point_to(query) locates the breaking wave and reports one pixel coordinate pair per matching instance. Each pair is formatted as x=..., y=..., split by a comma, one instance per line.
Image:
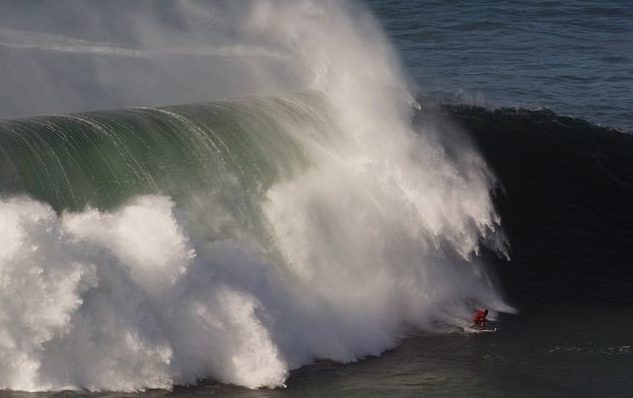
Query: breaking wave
x=240, y=239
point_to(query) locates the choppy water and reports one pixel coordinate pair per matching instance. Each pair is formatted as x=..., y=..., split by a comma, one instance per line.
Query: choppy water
x=573, y=57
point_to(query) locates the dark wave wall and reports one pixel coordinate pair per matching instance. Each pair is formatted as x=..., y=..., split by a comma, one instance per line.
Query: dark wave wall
x=566, y=201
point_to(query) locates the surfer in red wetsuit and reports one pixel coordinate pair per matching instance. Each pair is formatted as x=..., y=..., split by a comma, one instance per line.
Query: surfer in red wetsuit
x=480, y=318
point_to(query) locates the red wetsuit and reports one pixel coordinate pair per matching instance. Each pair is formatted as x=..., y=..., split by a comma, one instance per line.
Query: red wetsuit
x=480, y=318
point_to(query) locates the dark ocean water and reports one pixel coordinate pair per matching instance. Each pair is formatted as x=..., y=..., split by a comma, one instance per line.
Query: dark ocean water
x=566, y=184
x=565, y=196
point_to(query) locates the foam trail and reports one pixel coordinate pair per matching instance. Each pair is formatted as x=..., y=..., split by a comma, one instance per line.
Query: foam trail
x=332, y=254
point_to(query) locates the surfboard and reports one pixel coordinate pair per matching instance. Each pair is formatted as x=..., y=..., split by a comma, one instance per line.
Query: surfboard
x=477, y=330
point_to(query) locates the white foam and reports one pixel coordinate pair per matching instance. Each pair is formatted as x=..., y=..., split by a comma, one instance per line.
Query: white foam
x=81, y=308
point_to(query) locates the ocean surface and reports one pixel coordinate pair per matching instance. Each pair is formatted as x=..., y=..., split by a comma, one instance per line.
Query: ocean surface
x=570, y=57
x=308, y=199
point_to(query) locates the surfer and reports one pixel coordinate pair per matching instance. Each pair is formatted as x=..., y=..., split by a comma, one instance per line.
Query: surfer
x=480, y=318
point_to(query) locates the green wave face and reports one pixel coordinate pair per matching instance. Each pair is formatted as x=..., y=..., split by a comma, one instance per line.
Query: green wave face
x=100, y=159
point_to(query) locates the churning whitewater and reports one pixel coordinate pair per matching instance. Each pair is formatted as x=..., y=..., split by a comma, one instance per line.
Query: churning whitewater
x=238, y=239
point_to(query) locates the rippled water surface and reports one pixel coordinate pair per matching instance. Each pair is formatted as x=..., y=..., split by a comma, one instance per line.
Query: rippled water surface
x=575, y=58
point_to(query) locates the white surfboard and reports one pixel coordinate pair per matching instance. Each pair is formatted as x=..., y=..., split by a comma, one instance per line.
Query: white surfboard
x=477, y=330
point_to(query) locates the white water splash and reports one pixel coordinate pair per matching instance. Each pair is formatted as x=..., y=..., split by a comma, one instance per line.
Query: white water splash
x=377, y=236
x=118, y=301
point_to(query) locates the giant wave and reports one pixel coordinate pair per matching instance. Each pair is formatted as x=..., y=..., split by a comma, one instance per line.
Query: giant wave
x=239, y=239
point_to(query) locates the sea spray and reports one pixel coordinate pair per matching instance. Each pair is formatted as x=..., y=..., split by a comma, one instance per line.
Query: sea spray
x=237, y=240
